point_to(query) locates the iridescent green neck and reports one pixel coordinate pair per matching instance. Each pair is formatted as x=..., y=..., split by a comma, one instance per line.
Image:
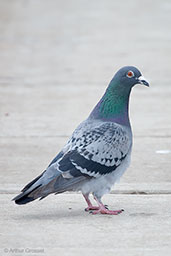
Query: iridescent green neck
x=114, y=103
x=113, y=106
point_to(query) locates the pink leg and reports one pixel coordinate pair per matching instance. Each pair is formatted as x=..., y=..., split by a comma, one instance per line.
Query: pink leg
x=103, y=210
x=90, y=206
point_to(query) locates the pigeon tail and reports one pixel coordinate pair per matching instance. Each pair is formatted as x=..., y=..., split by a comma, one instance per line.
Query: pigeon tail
x=25, y=197
x=35, y=189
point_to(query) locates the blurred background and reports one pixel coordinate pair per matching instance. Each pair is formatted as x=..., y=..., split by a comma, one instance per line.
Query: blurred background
x=56, y=60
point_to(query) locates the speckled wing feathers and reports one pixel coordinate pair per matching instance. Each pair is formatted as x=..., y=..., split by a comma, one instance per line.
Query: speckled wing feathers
x=95, y=150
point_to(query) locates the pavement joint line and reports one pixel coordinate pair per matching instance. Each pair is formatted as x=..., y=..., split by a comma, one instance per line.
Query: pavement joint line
x=123, y=192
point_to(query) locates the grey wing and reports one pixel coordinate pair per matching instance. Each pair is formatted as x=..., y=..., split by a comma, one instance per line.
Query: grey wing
x=95, y=152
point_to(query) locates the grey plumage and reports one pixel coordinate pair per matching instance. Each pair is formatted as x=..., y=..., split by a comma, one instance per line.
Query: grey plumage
x=98, y=152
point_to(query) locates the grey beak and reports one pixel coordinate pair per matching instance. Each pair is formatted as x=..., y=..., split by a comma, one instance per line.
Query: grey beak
x=142, y=80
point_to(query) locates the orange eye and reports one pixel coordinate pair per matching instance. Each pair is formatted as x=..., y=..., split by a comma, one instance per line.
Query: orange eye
x=130, y=74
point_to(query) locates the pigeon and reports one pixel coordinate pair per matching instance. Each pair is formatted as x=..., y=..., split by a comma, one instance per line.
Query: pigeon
x=98, y=152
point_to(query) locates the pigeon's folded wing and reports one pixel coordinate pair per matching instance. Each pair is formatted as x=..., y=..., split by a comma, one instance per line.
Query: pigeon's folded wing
x=96, y=152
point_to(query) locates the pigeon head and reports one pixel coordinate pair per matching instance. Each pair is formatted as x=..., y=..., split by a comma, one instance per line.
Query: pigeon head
x=128, y=77
x=114, y=104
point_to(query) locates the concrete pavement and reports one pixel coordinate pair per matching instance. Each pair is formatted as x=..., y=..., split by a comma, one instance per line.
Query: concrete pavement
x=56, y=59
x=59, y=224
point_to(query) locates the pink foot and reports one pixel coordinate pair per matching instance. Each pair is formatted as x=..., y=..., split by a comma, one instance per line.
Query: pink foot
x=106, y=211
x=91, y=208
